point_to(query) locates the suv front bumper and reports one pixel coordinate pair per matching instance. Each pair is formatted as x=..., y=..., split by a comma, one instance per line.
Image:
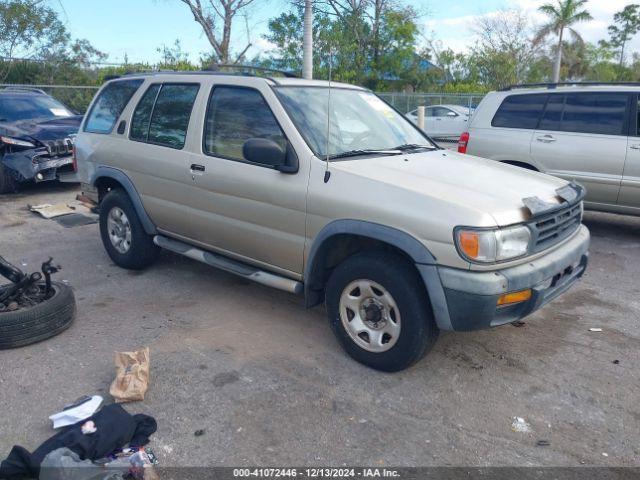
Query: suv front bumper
x=36, y=164
x=467, y=300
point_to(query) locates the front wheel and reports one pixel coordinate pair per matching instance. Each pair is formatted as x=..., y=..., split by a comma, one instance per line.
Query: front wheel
x=379, y=310
x=7, y=182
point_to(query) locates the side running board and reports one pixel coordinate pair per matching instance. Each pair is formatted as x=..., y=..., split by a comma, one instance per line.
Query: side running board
x=229, y=265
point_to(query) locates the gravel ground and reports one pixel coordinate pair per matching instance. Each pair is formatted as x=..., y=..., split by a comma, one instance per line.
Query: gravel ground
x=269, y=385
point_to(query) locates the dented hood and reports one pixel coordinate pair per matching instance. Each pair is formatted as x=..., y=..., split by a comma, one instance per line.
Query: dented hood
x=42, y=130
x=482, y=185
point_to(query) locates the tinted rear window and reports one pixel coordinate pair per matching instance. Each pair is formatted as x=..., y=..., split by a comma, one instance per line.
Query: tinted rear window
x=162, y=115
x=109, y=105
x=520, y=111
x=602, y=113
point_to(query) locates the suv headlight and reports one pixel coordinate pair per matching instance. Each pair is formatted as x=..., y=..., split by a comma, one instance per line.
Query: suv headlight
x=492, y=245
x=16, y=142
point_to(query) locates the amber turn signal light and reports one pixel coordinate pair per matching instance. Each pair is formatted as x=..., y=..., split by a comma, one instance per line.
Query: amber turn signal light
x=470, y=244
x=514, y=297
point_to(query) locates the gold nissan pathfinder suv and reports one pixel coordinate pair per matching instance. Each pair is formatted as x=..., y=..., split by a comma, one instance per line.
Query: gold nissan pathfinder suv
x=326, y=191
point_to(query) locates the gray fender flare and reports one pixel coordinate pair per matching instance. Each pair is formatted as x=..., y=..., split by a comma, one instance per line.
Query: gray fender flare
x=127, y=184
x=421, y=256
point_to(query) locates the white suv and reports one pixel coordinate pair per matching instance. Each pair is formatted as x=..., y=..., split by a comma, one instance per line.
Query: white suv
x=583, y=132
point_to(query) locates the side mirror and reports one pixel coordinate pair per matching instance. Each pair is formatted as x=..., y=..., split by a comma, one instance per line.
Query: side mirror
x=265, y=152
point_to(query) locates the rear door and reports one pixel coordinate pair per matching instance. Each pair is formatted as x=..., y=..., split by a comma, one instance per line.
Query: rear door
x=582, y=136
x=630, y=187
x=157, y=154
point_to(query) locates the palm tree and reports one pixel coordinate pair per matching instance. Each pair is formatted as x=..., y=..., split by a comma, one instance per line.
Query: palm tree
x=307, y=42
x=561, y=16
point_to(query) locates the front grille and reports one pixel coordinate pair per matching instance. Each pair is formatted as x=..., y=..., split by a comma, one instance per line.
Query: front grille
x=555, y=227
x=56, y=148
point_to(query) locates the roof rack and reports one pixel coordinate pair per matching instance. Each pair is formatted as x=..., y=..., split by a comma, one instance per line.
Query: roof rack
x=23, y=89
x=552, y=85
x=247, y=69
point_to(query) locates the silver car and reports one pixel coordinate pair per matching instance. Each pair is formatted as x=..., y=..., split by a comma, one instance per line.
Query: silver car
x=588, y=134
x=443, y=120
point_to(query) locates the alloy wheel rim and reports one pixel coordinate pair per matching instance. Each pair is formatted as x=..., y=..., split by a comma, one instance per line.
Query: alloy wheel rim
x=370, y=315
x=119, y=229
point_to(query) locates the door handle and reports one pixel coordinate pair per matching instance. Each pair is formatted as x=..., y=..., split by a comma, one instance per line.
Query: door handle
x=195, y=168
x=546, y=139
x=635, y=147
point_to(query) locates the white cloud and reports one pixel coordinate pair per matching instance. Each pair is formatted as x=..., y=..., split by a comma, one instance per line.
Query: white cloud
x=457, y=32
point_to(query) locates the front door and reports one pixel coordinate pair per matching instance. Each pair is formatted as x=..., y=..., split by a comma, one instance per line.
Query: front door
x=248, y=210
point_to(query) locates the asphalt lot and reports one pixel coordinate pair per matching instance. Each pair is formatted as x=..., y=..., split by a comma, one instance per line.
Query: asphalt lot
x=270, y=385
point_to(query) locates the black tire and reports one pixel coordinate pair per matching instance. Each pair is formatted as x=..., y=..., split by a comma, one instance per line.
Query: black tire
x=142, y=252
x=418, y=330
x=7, y=182
x=34, y=324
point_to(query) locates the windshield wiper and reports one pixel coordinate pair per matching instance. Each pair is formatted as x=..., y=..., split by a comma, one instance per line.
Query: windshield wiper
x=354, y=153
x=413, y=146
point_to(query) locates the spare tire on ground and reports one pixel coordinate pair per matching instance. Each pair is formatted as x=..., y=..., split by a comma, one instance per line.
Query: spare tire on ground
x=44, y=320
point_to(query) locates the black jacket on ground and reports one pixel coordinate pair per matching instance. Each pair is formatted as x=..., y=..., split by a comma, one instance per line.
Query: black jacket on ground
x=115, y=429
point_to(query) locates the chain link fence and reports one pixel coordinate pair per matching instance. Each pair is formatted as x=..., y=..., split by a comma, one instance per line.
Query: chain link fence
x=407, y=102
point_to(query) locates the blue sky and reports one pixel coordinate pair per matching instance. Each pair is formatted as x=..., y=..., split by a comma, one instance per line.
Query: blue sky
x=139, y=27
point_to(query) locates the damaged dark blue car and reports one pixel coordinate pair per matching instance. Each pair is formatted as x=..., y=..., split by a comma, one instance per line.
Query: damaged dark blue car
x=37, y=134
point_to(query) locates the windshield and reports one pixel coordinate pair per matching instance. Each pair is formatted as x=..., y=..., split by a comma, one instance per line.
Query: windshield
x=26, y=107
x=359, y=120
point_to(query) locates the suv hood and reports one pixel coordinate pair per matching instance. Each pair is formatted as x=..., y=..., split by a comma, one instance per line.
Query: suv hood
x=482, y=185
x=42, y=130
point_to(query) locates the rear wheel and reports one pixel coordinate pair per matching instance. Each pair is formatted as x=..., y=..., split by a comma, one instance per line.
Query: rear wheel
x=123, y=235
x=380, y=312
x=7, y=182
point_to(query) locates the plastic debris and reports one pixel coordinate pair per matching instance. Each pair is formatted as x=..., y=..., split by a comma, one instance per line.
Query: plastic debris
x=595, y=329
x=520, y=425
x=79, y=410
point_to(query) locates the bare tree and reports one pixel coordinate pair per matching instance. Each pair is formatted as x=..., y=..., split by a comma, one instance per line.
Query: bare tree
x=210, y=15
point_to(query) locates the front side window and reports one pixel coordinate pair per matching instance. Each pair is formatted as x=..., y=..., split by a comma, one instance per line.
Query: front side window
x=358, y=120
x=109, y=105
x=162, y=116
x=234, y=115
x=520, y=111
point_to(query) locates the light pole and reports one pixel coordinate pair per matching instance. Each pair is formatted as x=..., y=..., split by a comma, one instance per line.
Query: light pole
x=307, y=41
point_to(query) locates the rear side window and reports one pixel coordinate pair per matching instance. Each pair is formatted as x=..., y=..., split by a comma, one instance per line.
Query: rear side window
x=520, y=111
x=601, y=113
x=142, y=114
x=109, y=105
x=162, y=115
x=235, y=115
